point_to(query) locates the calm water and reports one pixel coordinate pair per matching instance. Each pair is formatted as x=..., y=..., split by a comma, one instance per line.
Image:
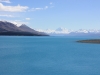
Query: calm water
x=48, y=56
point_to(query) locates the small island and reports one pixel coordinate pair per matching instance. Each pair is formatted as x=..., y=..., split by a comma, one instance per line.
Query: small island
x=94, y=41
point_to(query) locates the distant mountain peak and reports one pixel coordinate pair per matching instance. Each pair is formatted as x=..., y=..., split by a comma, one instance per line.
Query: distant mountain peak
x=26, y=28
x=24, y=25
x=61, y=29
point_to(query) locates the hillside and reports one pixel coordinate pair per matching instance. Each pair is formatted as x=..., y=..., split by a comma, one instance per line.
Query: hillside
x=24, y=27
x=7, y=28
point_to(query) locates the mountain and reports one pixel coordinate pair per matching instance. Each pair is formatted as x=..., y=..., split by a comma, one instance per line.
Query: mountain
x=28, y=29
x=61, y=29
x=7, y=28
x=68, y=32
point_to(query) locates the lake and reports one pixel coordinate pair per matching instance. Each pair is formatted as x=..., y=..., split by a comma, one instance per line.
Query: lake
x=49, y=55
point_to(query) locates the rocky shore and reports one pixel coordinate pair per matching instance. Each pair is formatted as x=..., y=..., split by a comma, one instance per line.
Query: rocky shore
x=95, y=41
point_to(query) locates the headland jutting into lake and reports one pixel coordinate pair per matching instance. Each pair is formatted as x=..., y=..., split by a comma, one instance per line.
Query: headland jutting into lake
x=94, y=41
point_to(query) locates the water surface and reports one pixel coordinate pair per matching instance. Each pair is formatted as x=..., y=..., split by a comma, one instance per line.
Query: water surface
x=48, y=56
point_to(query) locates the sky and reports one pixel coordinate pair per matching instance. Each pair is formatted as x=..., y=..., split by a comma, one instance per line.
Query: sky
x=52, y=14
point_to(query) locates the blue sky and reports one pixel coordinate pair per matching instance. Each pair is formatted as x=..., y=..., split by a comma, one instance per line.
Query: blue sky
x=51, y=14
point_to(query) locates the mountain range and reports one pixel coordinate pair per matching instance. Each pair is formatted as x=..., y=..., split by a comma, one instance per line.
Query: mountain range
x=68, y=32
x=8, y=28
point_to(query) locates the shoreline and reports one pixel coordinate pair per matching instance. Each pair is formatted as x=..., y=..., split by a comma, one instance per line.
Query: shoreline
x=93, y=41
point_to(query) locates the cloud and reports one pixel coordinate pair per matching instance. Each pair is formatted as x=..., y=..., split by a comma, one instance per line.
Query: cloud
x=5, y=1
x=17, y=8
x=46, y=7
x=36, y=9
x=6, y=15
x=51, y=3
x=27, y=18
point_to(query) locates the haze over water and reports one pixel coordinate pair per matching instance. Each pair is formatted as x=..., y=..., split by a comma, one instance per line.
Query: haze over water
x=48, y=56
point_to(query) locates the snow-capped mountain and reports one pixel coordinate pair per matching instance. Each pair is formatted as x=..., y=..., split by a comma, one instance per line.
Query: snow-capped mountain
x=68, y=32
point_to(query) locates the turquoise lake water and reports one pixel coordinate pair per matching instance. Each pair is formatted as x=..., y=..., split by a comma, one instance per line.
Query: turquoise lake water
x=21, y=55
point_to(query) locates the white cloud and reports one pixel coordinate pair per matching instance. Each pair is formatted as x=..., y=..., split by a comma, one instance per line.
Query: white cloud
x=51, y=3
x=6, y=15
x=17, y=8
x=46, y=7
x=6, y=1
x=27, y=18
x=35, y=9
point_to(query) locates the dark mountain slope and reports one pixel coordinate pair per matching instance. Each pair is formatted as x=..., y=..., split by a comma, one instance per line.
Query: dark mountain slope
x=7, y=28
x=28, y=29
